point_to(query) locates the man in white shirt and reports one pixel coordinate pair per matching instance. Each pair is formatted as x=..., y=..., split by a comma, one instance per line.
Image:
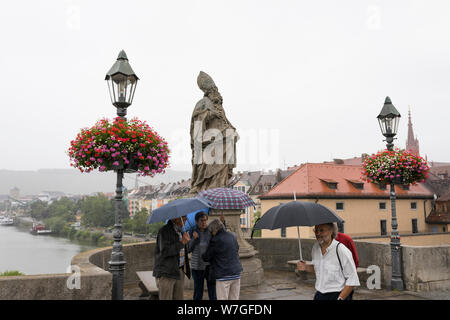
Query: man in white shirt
x=333, y=264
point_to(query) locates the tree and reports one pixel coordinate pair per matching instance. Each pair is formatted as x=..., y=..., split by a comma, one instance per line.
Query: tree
x=38, y=210
x=63, y=208
x=140, y=222
x=97, y=211
x=257, y=233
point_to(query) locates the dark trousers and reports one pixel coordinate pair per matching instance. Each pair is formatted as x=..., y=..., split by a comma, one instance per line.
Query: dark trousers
x=331, y=296
x=199, y=280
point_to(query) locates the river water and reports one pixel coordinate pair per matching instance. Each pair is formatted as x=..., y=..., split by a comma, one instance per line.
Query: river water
x=36, y=254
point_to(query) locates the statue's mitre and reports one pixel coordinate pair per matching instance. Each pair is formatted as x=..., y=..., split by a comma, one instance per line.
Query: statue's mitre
x=205, y=82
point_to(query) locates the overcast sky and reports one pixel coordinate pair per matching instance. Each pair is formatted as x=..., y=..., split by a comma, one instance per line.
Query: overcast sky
x=301, y=80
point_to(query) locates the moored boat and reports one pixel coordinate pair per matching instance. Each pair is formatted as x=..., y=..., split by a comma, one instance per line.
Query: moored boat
x=6, y=221
x=39, y=229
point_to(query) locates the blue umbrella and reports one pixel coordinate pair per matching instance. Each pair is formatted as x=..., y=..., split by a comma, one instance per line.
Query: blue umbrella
x=178, y=208
x=190, y=221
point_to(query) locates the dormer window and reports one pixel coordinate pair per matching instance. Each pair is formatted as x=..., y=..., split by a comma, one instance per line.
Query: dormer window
x=357, y=184
x=330, y=183
x=381, y=186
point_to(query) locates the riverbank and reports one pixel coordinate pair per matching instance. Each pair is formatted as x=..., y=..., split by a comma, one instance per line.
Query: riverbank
x=36, y=254
x=97, y=237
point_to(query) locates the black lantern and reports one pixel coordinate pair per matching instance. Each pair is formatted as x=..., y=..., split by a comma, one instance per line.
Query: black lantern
x=388, y=119
x=122, y=83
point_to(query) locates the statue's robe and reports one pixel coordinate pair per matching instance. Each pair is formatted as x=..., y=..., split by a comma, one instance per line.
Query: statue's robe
x=213, y=154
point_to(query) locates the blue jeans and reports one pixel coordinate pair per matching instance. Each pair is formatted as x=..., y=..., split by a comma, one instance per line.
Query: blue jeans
x=199, y=280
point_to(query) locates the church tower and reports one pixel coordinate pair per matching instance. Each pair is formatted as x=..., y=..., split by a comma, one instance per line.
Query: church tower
x=412, y=143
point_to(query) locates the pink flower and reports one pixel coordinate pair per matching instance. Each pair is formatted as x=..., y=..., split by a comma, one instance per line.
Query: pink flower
x=115, y=163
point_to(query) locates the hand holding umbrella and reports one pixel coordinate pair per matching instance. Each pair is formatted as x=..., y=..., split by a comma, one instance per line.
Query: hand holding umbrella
x=185, y=239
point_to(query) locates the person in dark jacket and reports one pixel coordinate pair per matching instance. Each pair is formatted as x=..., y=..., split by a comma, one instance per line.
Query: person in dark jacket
x=171, y=262
x=223, y=255
x=200, y=237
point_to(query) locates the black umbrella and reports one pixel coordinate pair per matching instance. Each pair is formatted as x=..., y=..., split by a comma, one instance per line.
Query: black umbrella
x=296, y=213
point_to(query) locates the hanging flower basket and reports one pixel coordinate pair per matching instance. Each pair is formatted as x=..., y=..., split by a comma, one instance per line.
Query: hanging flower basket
x=398, y=166
x=128, y=145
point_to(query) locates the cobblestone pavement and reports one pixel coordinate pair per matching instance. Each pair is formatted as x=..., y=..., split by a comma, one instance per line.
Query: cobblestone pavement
x=285, y=285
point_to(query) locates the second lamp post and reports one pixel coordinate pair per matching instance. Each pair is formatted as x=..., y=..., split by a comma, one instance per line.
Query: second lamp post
x=388, y=119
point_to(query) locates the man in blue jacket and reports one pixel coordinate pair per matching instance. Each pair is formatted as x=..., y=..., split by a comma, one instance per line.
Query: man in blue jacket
x=223, y=255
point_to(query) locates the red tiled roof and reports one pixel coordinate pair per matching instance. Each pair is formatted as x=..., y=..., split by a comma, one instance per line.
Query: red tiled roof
x=356, y=161
x=444, y=197
x=307, y=181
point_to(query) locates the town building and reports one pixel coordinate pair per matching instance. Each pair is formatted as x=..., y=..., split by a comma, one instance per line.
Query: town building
x=365, y=207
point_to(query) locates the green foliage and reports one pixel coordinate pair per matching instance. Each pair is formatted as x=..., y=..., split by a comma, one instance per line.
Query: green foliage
x=95, y=236
x=56, y=223
x=97, y=211
x=63, y=207
x=138, y=224
x=154, y=227
x=39, y=210
x=257, y=233
x=11, y=273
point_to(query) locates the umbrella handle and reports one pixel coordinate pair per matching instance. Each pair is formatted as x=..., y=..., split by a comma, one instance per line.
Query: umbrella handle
x=299, y=244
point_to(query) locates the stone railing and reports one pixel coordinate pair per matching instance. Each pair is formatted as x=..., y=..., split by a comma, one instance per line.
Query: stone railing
x=94, y=283
x=424, y=268
x=138, y=257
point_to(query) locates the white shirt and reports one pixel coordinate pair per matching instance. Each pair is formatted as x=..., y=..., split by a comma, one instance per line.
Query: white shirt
x=329, y=276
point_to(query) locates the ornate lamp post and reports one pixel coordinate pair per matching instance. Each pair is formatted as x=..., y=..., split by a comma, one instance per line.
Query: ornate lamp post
x=388, y=119
x=122, y=83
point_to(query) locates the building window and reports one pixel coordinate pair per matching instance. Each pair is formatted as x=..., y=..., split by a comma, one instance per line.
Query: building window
x=243, y=222
x=339, y=206
x=415, y=229
x=381, y=186
x=383, y=229
x=382, y=205
x=332, y=186
x=413, y=205
x=340, y=226
x=283, y=232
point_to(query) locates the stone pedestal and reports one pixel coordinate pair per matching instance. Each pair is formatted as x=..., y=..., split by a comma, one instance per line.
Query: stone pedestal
x=253, y=273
